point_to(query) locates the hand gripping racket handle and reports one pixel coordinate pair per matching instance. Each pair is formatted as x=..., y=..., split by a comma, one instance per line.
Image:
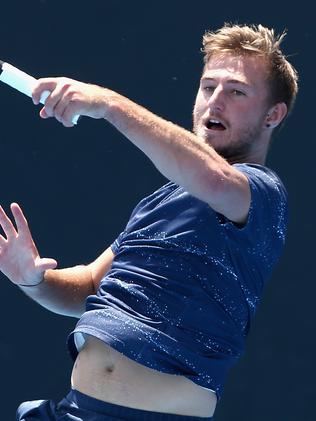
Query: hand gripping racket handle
x=23, y=83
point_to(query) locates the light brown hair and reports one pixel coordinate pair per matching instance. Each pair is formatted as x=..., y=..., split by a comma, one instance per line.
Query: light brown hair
x=258, y=40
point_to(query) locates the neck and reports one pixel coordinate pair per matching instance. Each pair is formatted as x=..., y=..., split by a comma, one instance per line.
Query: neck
x=257, y=154
x=251, y=159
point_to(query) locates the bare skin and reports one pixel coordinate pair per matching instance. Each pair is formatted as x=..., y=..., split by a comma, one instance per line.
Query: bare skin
x=108, y=375
x=233, y=92
x=99, y=371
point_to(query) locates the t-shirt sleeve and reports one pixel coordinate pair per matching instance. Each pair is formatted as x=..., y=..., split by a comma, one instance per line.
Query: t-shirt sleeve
x=268, y=213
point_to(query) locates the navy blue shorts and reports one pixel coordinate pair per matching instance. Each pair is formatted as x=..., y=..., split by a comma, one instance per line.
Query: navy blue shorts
x=79, y=407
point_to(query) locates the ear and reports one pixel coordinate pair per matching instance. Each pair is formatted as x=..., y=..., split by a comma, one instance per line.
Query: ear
x=275, y=115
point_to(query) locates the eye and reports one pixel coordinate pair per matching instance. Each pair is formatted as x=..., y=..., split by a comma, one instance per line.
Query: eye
x=208, y=88
x=237, y=92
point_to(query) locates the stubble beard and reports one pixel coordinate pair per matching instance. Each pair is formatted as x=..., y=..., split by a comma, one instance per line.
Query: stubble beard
x=240, y=147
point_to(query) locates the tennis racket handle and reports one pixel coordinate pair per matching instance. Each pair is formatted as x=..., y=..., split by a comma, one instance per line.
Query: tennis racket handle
x=24, y=83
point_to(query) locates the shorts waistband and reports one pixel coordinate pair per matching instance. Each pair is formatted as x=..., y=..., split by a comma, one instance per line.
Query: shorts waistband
x=83, y=401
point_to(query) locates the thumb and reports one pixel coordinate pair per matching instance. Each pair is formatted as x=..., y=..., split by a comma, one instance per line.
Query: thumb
x=47, y=263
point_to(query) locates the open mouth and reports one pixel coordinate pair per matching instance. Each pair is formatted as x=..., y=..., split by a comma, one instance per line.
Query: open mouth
x=215, y=125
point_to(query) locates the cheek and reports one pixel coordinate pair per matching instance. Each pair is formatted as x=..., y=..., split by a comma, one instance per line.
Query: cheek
x=255, y=110
x=248, y=115
x=255, y=118
x=199, y=106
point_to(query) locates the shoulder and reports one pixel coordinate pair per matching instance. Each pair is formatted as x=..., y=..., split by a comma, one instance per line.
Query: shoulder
x=268, y=213
x=262, y=178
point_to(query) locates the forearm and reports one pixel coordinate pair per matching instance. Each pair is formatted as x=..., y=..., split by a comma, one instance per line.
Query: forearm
x=63, y=291
x=177, y=153
x=180, y=155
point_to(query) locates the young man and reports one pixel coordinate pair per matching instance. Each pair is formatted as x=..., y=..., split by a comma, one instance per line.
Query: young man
x=164, y=312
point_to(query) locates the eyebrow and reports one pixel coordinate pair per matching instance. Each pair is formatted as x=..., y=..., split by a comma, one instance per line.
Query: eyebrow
x=232, y=81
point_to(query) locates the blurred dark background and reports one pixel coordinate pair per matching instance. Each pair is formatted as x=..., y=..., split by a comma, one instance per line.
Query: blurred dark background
x=78, y=186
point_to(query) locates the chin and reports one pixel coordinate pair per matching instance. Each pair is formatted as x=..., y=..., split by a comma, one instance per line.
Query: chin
x=219, y=144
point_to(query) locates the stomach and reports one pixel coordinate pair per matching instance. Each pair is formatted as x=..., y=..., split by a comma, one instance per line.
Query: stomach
x=106, y=374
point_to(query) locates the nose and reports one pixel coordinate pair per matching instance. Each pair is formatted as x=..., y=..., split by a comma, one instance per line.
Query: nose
x=216, y=100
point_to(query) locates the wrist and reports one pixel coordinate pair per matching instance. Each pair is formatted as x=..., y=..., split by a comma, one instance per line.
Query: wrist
x=32, y=285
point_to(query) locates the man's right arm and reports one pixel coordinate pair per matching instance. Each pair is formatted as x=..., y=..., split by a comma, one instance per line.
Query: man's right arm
x=62, y=291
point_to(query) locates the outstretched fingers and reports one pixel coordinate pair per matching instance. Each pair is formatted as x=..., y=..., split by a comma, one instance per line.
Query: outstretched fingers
x=26, y=236
x=20, y=220
x=7, y=226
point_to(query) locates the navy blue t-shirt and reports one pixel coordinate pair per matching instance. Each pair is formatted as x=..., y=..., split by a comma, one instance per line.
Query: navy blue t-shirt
x=185, y=281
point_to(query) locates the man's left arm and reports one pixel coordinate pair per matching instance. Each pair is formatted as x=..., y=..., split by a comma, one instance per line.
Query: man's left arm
x=178, y=154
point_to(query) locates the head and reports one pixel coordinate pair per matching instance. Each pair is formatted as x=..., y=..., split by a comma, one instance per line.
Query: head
x=247, y=89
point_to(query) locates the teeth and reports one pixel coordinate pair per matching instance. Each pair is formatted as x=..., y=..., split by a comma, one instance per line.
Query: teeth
x=215, y=124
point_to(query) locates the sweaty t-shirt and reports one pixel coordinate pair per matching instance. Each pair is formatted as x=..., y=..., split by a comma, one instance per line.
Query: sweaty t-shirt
x=185, y=281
